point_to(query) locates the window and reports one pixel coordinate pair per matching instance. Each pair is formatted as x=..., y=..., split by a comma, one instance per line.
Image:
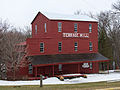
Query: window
x=59, y=26
x=45, y=25
x=75, y=27
x=75, y=46
x=59, y=46
x=30, y=69
x=35, y=29
x=41, y=47
x=90, y=46
x=90, y=65
x=90, y=28
x=60, y=67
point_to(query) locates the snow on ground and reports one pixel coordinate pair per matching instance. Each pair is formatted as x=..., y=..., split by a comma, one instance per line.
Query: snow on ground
x=54, y=80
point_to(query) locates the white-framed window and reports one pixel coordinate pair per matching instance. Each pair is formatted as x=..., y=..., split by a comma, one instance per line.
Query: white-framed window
x=60, y=67
x=30, y=69
x=90, y=28
x=91, y=65
x=35, y=29
x=45, y=26
x=75, y=27
x=41, y=47
x=75, y=46
x=90, y=46
x=59, y=46
x=59, y=27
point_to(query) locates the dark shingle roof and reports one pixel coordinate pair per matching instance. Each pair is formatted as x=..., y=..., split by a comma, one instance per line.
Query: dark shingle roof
x=66, y=58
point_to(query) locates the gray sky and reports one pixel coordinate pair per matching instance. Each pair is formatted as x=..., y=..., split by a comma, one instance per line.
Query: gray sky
x=21, y=12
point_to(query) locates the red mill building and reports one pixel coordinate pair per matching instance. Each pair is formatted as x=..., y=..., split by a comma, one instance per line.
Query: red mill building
x=62, y=44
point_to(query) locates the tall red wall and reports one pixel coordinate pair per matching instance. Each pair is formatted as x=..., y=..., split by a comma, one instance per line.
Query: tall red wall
x=52, y=37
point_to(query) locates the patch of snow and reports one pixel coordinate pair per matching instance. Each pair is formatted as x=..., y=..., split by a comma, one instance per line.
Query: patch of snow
x=54, y=80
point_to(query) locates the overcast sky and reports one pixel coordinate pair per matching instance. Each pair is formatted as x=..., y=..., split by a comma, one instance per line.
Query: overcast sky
x=20, y=13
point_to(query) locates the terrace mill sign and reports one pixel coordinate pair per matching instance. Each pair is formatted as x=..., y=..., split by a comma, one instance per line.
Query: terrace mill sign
x=76, y=35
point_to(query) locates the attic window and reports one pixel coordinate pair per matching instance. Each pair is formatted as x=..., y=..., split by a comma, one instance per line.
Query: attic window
x=45, y=25
x=90, y=28
x=59, y=26
x=35, y=29
x=75, y=27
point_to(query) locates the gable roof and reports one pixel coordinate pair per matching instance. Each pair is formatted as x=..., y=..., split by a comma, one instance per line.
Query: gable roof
x=67, y=58
x=56, y=16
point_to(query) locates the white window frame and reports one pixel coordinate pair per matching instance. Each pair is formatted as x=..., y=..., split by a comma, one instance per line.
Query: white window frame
x=59, y=46
x=75, y=27
x=76, y=46
x=35, y=28
x=90, y=46
x=59, y=27
x=90, y=28
x=45, y=26
x=41, y=47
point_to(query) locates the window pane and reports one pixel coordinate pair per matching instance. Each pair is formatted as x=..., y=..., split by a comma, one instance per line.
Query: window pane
x=90, y=27
x=30, y=69
x=75, y=27
x=35, y=29
x=59, y=26
x=60, y=67
x=75, y=46
x=59, y=46
x=45, y=27
x=90, y=46
x=41, y=47
x=90, y=65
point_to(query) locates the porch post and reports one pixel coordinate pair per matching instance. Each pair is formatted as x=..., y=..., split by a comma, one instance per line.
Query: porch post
x=78, y=67
x=108, y=66
x=35, y=71
x=53, y=70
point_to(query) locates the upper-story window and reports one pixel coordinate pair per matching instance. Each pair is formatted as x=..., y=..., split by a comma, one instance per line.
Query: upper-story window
x=75, y=46
x=35, y=29
x=90, y=28
x=45, y=26
x=90, y=46
x=41, y=47
x=75, y=27
x=59, y=27
x=60, y=46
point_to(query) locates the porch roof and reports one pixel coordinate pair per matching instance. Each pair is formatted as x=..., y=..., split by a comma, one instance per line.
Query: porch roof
x=67, y=58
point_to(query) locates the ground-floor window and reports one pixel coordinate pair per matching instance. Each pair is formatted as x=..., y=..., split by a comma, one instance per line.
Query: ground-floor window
x=90, y=65
x=60, y=67
x=30, y=69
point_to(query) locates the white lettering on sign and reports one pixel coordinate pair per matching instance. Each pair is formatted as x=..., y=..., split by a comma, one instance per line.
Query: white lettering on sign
x=85, y=65
x=81, y=35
